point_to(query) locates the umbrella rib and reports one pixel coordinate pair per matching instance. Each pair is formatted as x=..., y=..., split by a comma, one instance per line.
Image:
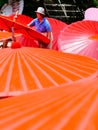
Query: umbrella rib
x=65, y=69
x=22, y=75
x=50, y=68
x=32, y=73
x=42, y=71
x=7, y=85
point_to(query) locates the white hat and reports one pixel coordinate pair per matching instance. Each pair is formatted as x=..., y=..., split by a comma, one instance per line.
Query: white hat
x=40, y=10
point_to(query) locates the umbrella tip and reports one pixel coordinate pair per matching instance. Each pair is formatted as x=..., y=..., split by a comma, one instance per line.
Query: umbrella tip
x=15, y=45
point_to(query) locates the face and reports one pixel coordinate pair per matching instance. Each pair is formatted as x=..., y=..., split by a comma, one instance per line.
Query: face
x=39, y=16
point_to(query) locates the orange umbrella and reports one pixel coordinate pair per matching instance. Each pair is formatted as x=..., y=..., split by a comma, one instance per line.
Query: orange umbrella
x=26, y=69
x=67, y=107
x=80, y=38
x=7, y=35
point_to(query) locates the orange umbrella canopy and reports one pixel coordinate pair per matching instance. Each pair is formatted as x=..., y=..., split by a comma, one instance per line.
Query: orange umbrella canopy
x=68, y=107
x=28, y=69
x=7, y=35
x=80, y=38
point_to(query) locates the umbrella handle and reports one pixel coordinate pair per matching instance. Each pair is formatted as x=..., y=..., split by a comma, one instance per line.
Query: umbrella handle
x=13, y=36
x=12, y=28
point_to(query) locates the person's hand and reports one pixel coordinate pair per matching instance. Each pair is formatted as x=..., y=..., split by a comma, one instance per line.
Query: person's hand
x=15, y=16
x=28, y=25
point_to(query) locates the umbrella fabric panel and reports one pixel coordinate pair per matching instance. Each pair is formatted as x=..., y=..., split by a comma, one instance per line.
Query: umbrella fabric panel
x=69, y=106
x=23, y=19
x=57, y=26
x=27, y=42
x=80, y=38
x=35, y=68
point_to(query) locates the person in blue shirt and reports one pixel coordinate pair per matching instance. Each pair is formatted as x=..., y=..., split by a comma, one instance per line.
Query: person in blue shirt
x=42, y=25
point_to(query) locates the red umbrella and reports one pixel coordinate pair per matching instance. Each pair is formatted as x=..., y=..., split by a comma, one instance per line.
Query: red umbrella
x=72, y=106
x=24, y=40
x=23, y=19
x=27, y=42
x=57, y=26
x=80, y=38
x=28, y=69
x=12, y=25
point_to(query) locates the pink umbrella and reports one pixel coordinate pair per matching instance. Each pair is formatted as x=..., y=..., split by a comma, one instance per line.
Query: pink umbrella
x=91, y=14
x=80, y=38
x=28, y=69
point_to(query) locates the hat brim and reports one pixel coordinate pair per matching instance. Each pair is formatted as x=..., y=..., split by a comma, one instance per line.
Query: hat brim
x=39, y=12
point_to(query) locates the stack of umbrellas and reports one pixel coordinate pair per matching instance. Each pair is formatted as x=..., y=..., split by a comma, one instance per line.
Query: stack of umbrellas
x=49, y=89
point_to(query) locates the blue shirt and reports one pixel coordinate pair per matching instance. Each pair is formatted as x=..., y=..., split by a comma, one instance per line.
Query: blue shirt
x=42, y=27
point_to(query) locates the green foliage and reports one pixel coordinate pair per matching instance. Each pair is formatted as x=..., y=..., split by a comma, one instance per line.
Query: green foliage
x=2, y=2
x=95, y=2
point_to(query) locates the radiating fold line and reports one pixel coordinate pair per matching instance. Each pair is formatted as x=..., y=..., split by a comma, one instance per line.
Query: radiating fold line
x=34, y=76
x=60, y=62
x=50, y=68
x=4, y=54
x=4, y=63
x=70, y=63
x=67, y=59
x=22, y=78
x=44, y=72
x=10, y=71
x=65, y=66
x=83, y=124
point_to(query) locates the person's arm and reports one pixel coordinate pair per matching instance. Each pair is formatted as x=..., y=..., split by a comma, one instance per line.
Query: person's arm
x=49, y=30
x=32, y=23
x=49, y=36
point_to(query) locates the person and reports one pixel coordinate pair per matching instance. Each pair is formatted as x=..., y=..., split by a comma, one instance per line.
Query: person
x=42, y=25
